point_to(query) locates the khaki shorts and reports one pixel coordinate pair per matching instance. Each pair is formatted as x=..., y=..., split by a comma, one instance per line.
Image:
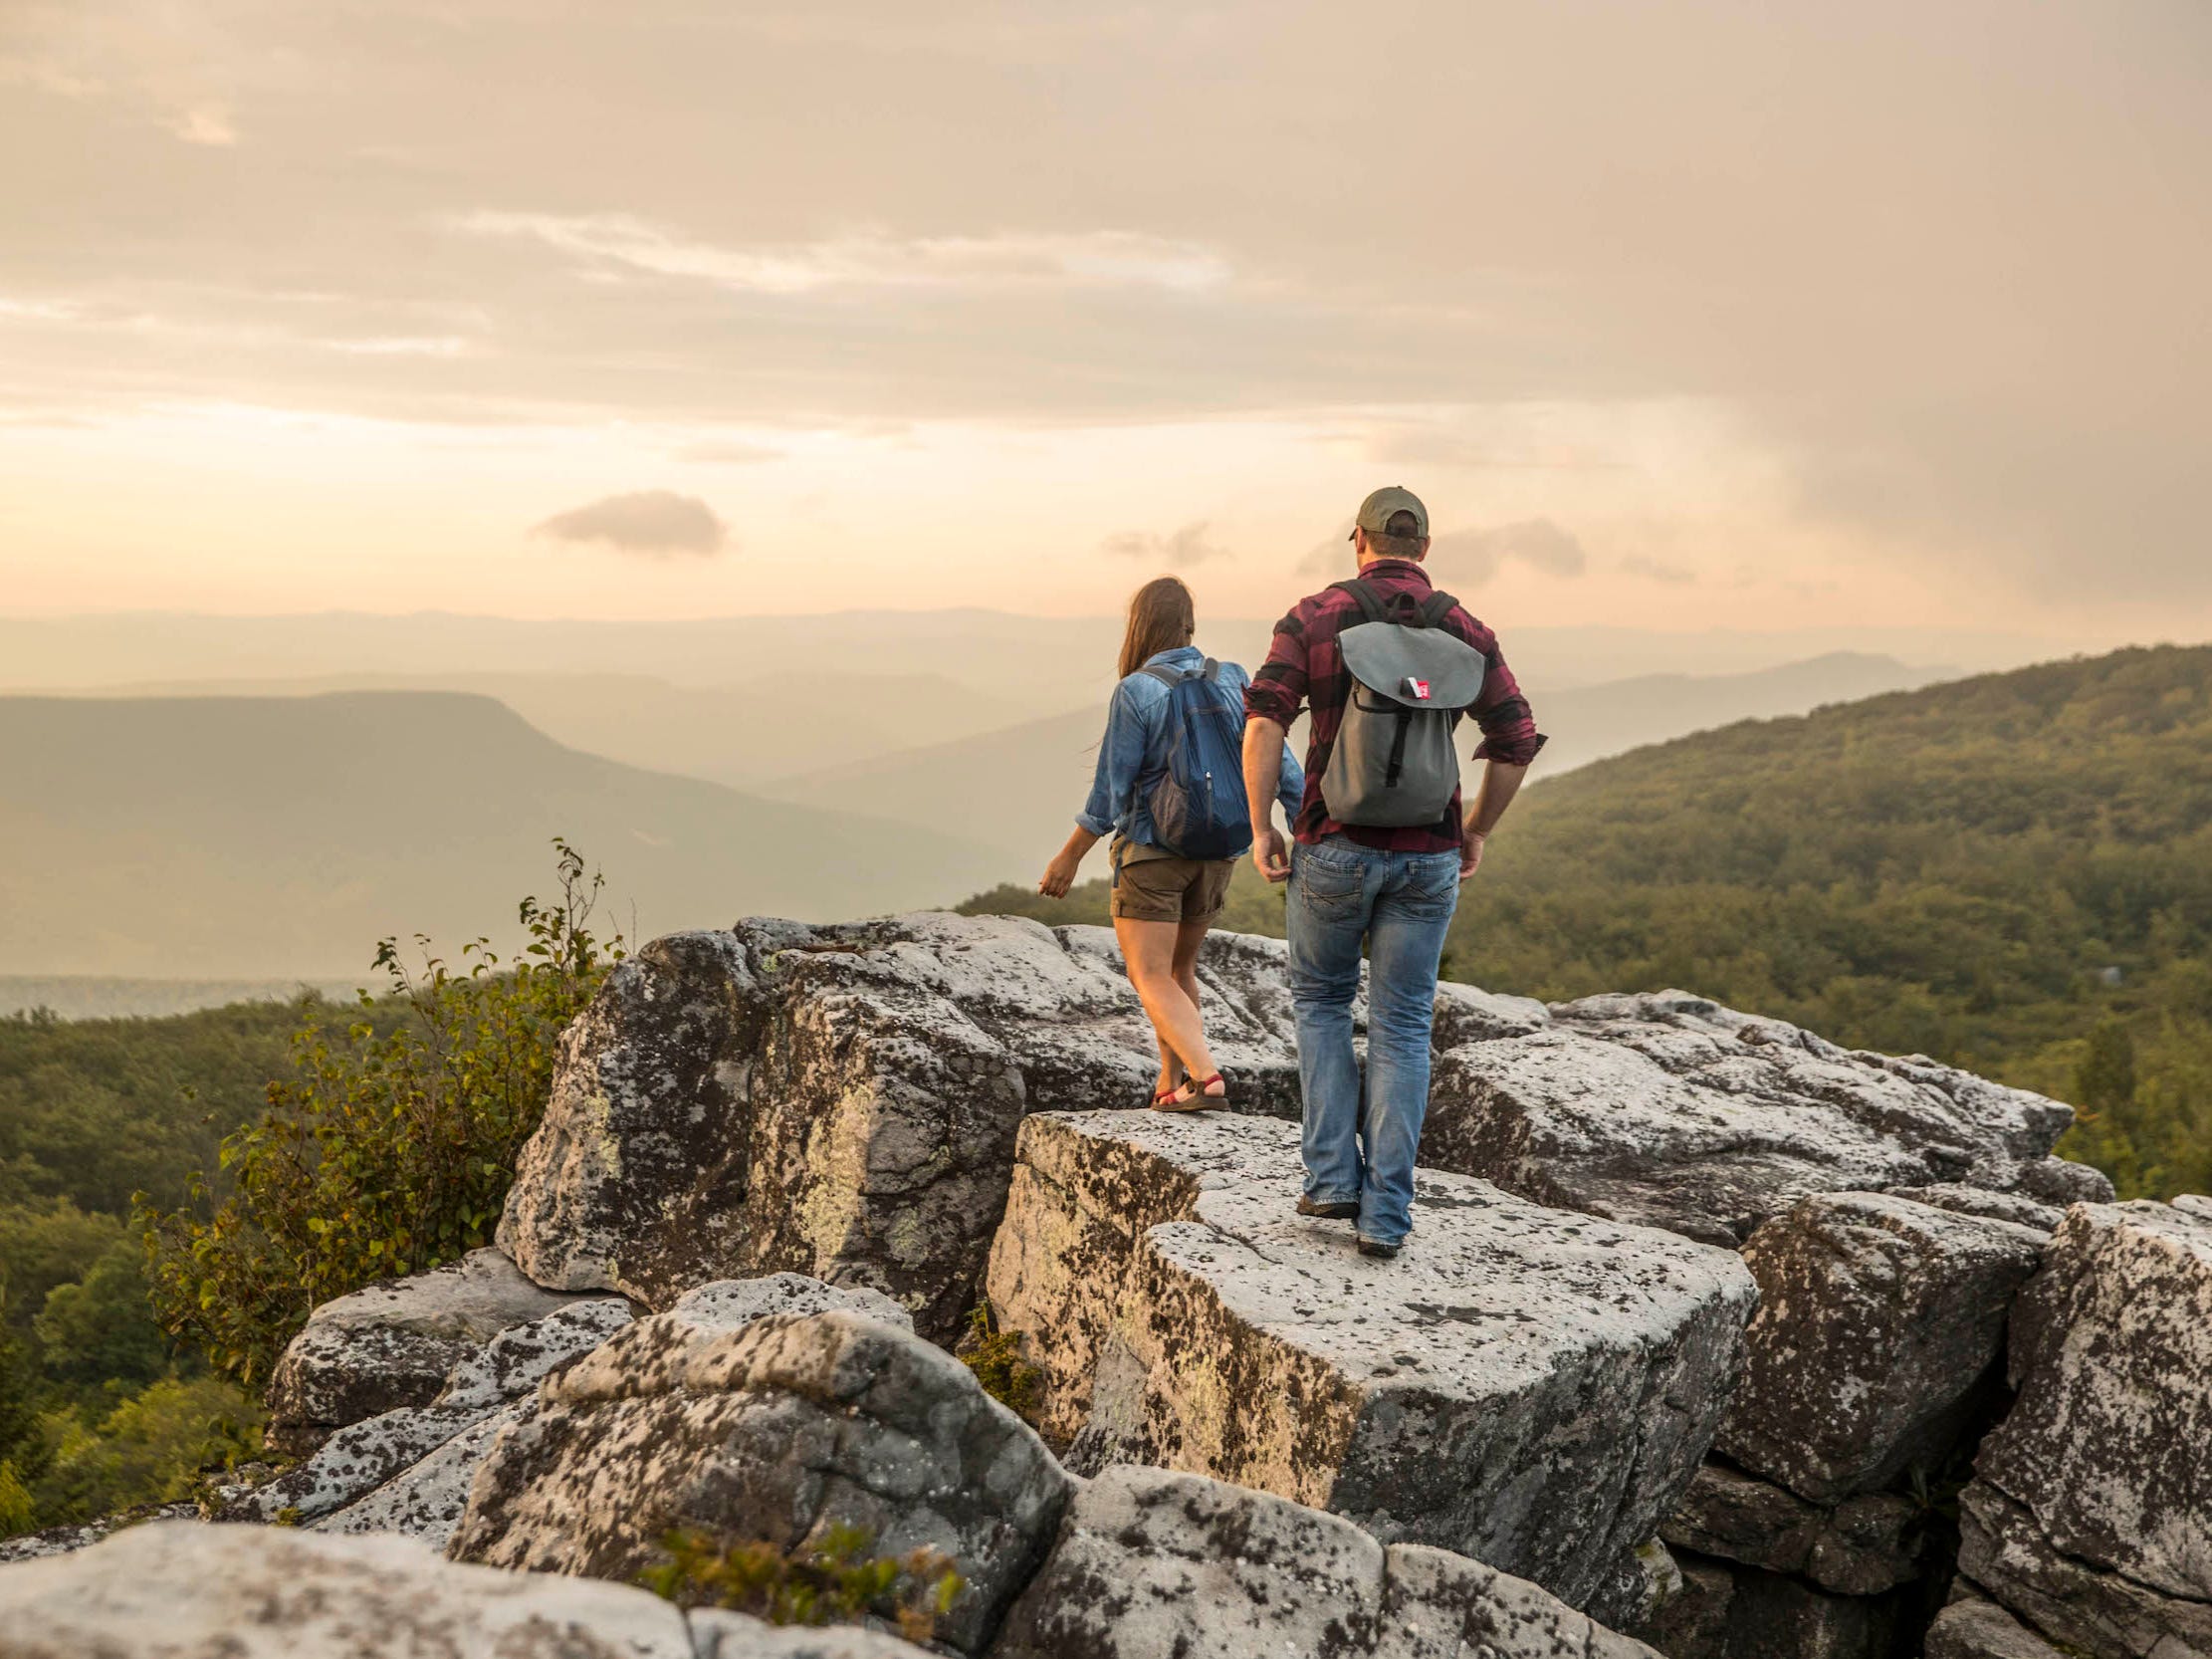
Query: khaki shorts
x=1170, y=889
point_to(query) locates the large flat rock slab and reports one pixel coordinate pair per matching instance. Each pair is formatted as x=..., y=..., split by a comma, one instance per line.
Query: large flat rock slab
x=841, y=1101
x=1670, y=1110
x=183, y=1590
x=774, y=1433
x=1527, y=1386
x=1150, y=1563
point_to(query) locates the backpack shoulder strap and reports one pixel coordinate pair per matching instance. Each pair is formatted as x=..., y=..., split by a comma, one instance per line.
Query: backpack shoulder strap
x=1211, y=671
x=1436, y=608
x=1168, y=677
x=1370, y=604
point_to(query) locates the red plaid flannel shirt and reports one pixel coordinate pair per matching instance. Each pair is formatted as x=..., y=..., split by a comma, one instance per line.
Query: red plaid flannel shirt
x=1305, y=665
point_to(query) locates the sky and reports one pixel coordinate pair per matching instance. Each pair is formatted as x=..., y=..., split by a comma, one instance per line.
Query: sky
x=1742, y=315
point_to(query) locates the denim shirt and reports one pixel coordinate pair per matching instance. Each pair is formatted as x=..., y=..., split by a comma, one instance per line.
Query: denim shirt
x=1134, y=753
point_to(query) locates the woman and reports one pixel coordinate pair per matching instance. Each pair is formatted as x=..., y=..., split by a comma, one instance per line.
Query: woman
x=1163, y=902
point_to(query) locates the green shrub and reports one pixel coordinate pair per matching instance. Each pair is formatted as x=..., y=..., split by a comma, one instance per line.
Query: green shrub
x=995, y=1356
x=390, y=1149
x=835, y=1580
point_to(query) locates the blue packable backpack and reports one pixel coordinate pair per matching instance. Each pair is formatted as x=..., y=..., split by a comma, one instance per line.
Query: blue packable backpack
x=1198, y=805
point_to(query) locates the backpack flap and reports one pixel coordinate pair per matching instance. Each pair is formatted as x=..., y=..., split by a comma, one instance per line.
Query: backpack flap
x=1393, y=661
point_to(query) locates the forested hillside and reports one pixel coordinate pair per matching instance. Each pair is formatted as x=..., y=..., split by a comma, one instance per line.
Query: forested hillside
x=95, y=1410
x=2012, y=872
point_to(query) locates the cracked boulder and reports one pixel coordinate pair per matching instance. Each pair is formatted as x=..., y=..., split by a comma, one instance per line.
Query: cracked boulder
x=1879, y=1338
x=407, y=1469
x=1728, y=1611
x=841, y=1101
x=185, y=1590
x=2090, y=1514
x=395, y=1344
x=1530, y=1387
x=1149, y=1564
x=1974, y=1628
x=1861, y=1547
x=1670, y=1110
x=776, y=1433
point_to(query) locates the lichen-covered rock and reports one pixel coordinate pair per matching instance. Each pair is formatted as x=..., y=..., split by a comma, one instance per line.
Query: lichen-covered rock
x=775, y=1432
x=62, y=1540
x=424, y=1453
x=1151, y=1563
x=183, y=1590
x=1673, y=1112
x=425, y=1499
x=841, y=1101
x=1862, y=1546
x=2110, y=1443
x=1531, y=1387
x=1974, y=1628
x=1880, y=1320
x=650, y=1356
x=395, y=1344
x=718, y=1634
x=2079, y=1607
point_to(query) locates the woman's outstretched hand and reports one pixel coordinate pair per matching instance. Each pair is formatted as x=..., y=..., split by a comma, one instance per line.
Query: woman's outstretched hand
x=1059, y=876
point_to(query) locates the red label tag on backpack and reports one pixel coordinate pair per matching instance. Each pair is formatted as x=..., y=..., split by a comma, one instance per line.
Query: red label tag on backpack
x=1418, y=690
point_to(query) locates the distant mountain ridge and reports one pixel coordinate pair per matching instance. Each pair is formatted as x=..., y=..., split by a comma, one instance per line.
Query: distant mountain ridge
x=250, y=837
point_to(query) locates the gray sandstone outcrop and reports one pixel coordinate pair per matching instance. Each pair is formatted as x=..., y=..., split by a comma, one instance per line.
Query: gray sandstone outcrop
x=181, y=1590
x=775, y=1432
x=408, y=1468
x=1529, y=1387
x=395, y=1345
x=1862, y=1546
x=1670, y=1110
x=2091, y=1515
x=1879, y=1321
x=1728, y=1611
x=841, y=1101
x=1150, y=1563
x=1974, y=1628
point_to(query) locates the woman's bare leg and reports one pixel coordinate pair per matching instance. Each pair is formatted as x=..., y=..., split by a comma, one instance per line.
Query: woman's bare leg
x=1148, y=950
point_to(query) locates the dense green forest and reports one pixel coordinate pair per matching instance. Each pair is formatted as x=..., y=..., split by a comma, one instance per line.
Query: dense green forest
x=95, y=1410
x=178, y=1193
x=2012, y=872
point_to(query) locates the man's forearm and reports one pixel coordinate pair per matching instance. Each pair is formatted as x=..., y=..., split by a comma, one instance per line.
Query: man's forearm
x=1500, y=782
x=1263, y=740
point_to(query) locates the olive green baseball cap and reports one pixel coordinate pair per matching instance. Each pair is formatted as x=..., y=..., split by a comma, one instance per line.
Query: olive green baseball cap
x=1375, y=511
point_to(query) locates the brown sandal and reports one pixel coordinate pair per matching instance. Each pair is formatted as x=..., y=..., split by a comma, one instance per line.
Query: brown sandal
x=1198, y=1099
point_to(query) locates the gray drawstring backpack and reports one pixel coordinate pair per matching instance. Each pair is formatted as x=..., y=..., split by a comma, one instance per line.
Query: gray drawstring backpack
x=1393, y=765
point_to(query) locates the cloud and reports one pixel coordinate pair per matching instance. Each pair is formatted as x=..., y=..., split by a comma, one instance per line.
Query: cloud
x=206, y=123
x=729, y=453
x=1653, y=570
x=658, y=523
x=1099, y=258
x=1475, y=555
x=1179, y=551
x=1330, y=558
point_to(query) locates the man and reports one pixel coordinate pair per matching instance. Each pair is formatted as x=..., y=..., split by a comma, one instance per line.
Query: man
x=1393, y=888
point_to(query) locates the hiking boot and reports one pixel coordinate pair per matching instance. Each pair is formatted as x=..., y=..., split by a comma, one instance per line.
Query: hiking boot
x=1341, y=1210
x=1376, y=1248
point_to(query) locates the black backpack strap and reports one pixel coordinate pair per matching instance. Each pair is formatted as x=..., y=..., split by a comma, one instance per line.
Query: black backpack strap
x=1436, y=608
x=1370, y=602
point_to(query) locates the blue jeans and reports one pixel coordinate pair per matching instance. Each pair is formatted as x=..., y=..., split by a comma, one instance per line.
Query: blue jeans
x=1360, y=1144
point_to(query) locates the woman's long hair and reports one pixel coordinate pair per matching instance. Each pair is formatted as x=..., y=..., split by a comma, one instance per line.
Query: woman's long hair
x=1160, y=618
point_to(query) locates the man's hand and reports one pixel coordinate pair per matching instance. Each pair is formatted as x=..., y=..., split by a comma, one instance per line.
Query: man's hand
x=1470, y=853
x=1268, y=855
x=1059, y=875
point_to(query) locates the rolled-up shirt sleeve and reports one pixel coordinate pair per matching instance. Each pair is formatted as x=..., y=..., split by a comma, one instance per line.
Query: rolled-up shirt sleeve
x=1121, y=757
x=1280, y=685
x=1509, y=734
